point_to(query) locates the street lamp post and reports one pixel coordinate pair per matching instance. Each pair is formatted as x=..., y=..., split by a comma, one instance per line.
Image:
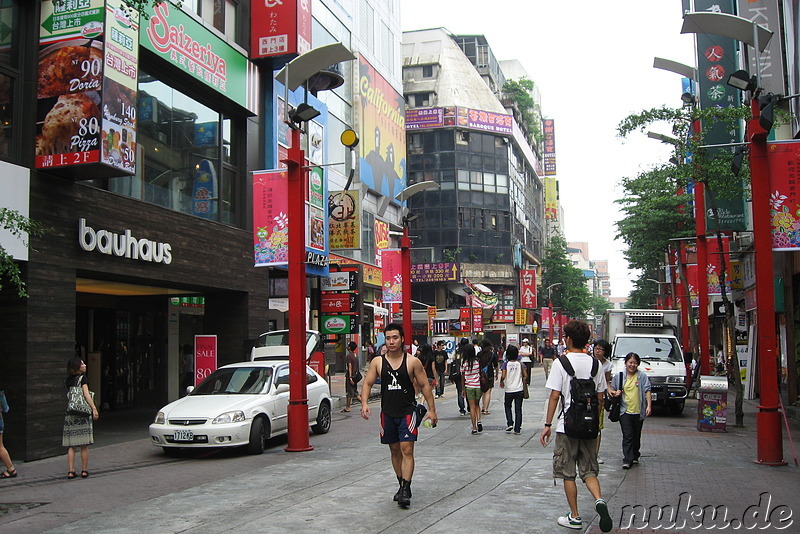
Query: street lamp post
x=296, y=73
x=405, y=257
x=768, y=419
x=550, y=302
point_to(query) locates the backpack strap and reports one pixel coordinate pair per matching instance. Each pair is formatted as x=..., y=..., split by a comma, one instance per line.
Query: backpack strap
x=566, y=365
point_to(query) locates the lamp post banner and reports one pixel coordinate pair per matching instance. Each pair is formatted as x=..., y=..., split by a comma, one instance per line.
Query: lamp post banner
x=270, y=217
x=392, y=275
x=784, y=176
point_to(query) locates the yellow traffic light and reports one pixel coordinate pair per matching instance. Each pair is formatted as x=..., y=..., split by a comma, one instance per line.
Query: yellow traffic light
x=349, y=138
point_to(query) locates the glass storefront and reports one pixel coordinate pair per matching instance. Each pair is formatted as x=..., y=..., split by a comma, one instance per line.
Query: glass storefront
x=9, y=72
x=187, y=154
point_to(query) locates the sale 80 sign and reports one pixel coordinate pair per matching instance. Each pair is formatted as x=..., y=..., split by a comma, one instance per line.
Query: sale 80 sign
x=205, y=357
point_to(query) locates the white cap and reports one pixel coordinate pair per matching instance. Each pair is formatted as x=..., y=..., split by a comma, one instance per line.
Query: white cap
x=525, y=340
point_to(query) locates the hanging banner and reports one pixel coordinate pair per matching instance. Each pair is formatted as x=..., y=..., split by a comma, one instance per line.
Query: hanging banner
x=392, y=275
x=714, y=269
x=527, y=288
x=344, y=221
x=549, y=131
x=784, y=177
x=550, y=198
x=691, y=280
x=477, y=320
x=270, y=218
x=547, y=322
x=464, y=317
x=381, y=240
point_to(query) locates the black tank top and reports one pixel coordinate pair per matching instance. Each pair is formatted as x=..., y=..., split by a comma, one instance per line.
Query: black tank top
x=397, y=390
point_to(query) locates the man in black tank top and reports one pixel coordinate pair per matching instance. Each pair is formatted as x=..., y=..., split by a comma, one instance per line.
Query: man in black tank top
x=399, y=372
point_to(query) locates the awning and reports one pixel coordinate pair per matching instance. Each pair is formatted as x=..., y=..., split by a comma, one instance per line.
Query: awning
x=377, y=309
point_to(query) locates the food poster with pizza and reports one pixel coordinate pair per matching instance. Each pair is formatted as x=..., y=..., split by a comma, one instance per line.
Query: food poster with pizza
x=75, y=59
x=120, y=76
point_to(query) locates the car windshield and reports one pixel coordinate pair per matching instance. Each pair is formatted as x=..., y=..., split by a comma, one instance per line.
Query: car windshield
x=277, y=339
x=649, y=348
x=235, y=381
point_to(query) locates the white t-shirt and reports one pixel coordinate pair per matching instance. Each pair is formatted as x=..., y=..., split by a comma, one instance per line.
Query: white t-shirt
x=513, y=382
x=525, y=352
x=559, y=380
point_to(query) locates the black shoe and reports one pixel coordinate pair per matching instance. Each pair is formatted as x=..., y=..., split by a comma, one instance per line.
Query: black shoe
x=399, y=489
x=480, y=427
x=404, y=499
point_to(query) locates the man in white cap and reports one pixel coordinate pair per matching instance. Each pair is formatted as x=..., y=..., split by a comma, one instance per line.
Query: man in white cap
x=525, y=353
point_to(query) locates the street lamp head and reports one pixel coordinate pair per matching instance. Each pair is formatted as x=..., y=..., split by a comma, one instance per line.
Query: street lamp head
x=742, y=80
x=738, y=159
x=688, y=98
x=303, y=113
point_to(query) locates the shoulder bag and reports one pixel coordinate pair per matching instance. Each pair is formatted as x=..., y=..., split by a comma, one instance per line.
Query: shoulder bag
x=76, y=402
x=613, y=405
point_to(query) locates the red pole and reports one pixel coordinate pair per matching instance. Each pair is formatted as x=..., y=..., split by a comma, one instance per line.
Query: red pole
x=702, y=276
x=405, y=255
x=297, y=415
x=552, y=322
x=768, y=419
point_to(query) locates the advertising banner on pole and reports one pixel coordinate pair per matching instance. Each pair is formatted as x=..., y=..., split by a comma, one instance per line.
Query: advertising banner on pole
x=270, y=218
x=784, y=177
x=392, y=275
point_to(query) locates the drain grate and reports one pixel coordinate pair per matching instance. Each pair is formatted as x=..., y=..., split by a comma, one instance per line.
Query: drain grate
x=11, y=507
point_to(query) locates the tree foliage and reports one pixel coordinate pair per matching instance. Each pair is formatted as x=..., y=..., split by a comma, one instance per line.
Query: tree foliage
x=139, y=6
x=571, y=296
x=17, y=225
x=520, y=93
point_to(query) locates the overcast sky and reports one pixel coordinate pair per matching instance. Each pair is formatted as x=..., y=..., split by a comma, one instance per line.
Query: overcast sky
x=593, y=63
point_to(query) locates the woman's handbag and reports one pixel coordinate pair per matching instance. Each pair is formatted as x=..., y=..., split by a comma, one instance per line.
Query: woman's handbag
x=484, y=378
x=525, y=394
x=613, y=405
x=76, y=402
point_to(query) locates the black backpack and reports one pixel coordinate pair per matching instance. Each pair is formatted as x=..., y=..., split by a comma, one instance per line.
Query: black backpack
x=582, y=417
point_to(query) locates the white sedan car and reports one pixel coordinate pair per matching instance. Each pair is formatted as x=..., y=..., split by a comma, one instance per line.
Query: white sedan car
x=241, y=404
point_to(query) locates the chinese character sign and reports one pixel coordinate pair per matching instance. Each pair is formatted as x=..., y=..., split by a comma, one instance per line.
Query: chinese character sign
x=344, y=219
x=280, y=27
x=784, y=167
x=527, y=288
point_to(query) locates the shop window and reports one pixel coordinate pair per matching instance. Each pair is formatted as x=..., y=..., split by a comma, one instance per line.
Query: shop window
x=221, y=14
x=187, y=156
x=9, y=75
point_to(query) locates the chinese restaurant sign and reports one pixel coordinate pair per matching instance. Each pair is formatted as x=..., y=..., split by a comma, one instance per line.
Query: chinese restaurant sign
x=527, y=288
x=474, y=119
x=344, y=219
x=279, y=27
x=180, y=40
x=88, y=56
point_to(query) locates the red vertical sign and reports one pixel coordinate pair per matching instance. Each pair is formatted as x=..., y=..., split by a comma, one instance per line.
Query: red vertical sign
x=477, y=319
x=464, y=317
x=392, y=275
x=205, y=357
x=527, y=288
x=279, y=28
x=546, y=319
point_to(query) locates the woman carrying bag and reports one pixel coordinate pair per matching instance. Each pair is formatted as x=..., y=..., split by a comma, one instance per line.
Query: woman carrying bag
x=634, y=390
x=10, y=471
x=78, y=430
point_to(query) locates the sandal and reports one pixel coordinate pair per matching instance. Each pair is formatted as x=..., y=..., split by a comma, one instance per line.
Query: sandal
x=8, y=474
x=84, y=474
x=345, y=411
x=71, y=475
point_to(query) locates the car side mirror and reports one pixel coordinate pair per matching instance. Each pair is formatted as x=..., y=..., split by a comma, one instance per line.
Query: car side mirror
x=189, y=389
x=282, y=388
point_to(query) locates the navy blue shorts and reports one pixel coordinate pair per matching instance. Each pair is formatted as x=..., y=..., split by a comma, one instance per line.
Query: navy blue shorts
x=395, y=429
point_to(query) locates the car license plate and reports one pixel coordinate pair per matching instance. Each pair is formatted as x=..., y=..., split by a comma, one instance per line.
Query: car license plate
x=183, y=435
x=653, y=395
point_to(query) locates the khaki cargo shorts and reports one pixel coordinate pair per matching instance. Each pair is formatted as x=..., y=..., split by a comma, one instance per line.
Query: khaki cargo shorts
x=571, y=452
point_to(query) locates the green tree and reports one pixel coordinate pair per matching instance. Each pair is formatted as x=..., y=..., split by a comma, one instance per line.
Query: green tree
x=17, y=225
x=137, y=5
x=519, y=91
x=571, y=296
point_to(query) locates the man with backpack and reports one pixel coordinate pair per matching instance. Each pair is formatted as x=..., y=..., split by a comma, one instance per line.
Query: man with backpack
x=577, y=383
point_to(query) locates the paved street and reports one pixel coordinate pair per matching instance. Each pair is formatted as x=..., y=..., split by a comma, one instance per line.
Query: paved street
x=463, y=483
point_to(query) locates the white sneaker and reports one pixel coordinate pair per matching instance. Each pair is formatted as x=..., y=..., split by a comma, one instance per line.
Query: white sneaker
x=570, y=522
x=600, y=460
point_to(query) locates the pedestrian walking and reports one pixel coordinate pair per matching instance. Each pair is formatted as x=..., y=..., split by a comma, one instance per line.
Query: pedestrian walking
x=512, y=378
x=526, y=358
x=78, y=430
x=470, y=376
x=489, y=366
x=440, y=366
x=547, y=354
x=457, y=378
x=10, y=471
x=351, y=376
x=634, y=387
x=425, y=355
x=400, y=373
x=600, y=349
x=582, y=377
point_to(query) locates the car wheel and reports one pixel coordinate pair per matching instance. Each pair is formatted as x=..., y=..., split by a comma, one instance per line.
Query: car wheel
x=172, y=452
x=676, y=408
x=323, y=419
x=258, y=436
